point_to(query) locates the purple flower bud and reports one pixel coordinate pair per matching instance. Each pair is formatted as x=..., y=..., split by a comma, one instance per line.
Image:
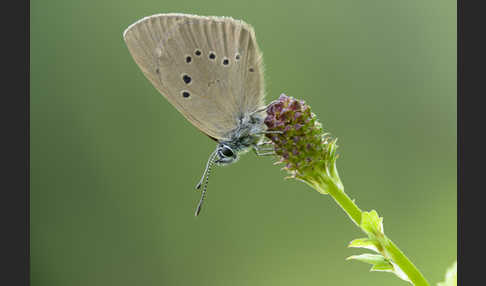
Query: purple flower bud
x=277, y=107
x=302, y=145
x=279, y=124
x=283, y=97
x=294, y=105
x=270, y=122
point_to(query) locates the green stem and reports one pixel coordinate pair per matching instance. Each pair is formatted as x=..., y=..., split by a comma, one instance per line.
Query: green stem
x=351, y=209
x=405, y=264
x=336, y=191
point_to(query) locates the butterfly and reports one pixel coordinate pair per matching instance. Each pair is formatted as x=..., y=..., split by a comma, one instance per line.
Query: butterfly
x=211, y=70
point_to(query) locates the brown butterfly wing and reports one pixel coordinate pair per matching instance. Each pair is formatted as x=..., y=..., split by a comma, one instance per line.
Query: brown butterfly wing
x=208, y=68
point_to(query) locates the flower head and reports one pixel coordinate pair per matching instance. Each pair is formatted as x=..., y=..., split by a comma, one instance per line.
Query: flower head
x=309, y=154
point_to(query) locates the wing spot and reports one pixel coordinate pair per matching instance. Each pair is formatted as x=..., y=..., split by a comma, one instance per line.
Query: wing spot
x=186, y=78
x=188, y=59
x=185, y=94
x=225, y=62
x=251, y=69
x=197, y=52
x=157, y=71
x=237, y=57
x=212, y=55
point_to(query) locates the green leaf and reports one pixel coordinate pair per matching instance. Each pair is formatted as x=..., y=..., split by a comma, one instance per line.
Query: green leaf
x=372, y=224
x=374, y=259
x=380, y=263
x=450, y=277
x=367, y=243
x=382, y=267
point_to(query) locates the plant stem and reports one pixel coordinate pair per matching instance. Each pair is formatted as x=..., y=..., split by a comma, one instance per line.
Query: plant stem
x=336, y=191
x=405, y=264
x=348, y=205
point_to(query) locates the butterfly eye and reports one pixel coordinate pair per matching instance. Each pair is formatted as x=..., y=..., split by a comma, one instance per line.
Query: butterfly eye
x=227, y=152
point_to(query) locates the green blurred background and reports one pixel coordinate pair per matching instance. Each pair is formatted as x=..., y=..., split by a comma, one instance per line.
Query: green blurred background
x=113, y=165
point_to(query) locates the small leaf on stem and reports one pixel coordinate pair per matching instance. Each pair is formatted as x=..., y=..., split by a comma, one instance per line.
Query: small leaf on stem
x=367, y=243
x=372, y=224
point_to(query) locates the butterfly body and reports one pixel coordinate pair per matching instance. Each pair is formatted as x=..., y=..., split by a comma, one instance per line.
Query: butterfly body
x=246, y=136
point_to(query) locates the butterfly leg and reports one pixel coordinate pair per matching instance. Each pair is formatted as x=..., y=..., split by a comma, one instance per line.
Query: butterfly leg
x=263, y=108
x=266, y=154
x=270, y=132
x=258, y=151
x=264, y=148
x=267, y=144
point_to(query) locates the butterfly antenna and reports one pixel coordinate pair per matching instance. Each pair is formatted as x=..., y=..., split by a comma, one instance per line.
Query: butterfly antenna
x=206, y=174
x=208, y=164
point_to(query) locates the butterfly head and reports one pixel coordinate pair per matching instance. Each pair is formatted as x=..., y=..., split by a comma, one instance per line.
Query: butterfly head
x=226, y=154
